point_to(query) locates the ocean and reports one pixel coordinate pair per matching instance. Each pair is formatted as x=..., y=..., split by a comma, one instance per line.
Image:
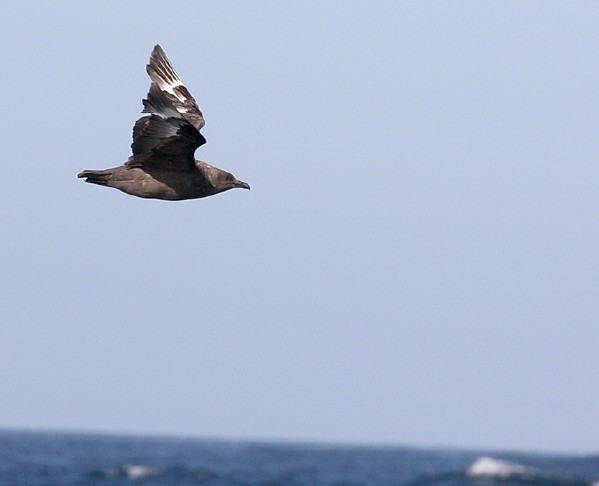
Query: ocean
x=35, y=458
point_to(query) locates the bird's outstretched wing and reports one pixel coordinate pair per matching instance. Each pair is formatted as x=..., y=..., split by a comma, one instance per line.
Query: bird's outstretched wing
x=169, y=136
x=165, y=77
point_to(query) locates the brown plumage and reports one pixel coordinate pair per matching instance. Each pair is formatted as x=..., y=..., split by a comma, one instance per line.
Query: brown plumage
x=163, y=165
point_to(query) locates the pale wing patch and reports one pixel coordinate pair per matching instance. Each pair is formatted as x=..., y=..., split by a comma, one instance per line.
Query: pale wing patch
x=165, y=77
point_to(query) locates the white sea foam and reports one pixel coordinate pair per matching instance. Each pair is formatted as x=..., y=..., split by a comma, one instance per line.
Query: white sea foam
x=488, y=466
x=135, y=472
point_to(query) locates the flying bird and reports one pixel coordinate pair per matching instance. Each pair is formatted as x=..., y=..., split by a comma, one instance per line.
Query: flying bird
x=163, y=165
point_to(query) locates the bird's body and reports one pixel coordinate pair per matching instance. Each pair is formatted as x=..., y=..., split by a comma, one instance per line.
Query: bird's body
x=156, y=183
x=163, y=165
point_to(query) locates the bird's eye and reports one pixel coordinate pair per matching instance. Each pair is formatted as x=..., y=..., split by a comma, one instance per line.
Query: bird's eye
x=229, y=177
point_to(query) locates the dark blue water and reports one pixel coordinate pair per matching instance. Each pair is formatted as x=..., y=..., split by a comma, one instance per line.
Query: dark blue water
x=28, y=458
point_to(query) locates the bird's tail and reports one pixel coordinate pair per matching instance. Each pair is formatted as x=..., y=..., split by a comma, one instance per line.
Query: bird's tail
x=96, y=176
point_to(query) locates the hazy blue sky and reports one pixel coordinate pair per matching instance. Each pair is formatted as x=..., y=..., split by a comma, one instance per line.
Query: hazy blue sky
x=417, y=262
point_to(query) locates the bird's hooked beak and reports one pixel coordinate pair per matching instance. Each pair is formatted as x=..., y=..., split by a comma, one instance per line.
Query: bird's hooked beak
x=242, y=185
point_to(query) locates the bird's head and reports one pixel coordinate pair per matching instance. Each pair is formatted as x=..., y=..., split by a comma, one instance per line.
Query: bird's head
x=222, y=180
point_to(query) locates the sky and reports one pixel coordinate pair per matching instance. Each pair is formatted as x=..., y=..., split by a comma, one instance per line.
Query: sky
x=416, y=264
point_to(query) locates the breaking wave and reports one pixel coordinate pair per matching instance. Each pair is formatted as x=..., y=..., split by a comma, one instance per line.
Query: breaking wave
x=491, y=471
x=134, y=472
x=490, y=467
x=145, y=474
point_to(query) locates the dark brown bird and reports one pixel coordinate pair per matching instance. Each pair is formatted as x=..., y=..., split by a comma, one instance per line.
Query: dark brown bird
x=163, y=165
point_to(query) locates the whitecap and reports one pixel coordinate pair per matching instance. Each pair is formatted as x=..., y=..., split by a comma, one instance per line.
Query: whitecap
x=135, y=472
x=489, y=466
